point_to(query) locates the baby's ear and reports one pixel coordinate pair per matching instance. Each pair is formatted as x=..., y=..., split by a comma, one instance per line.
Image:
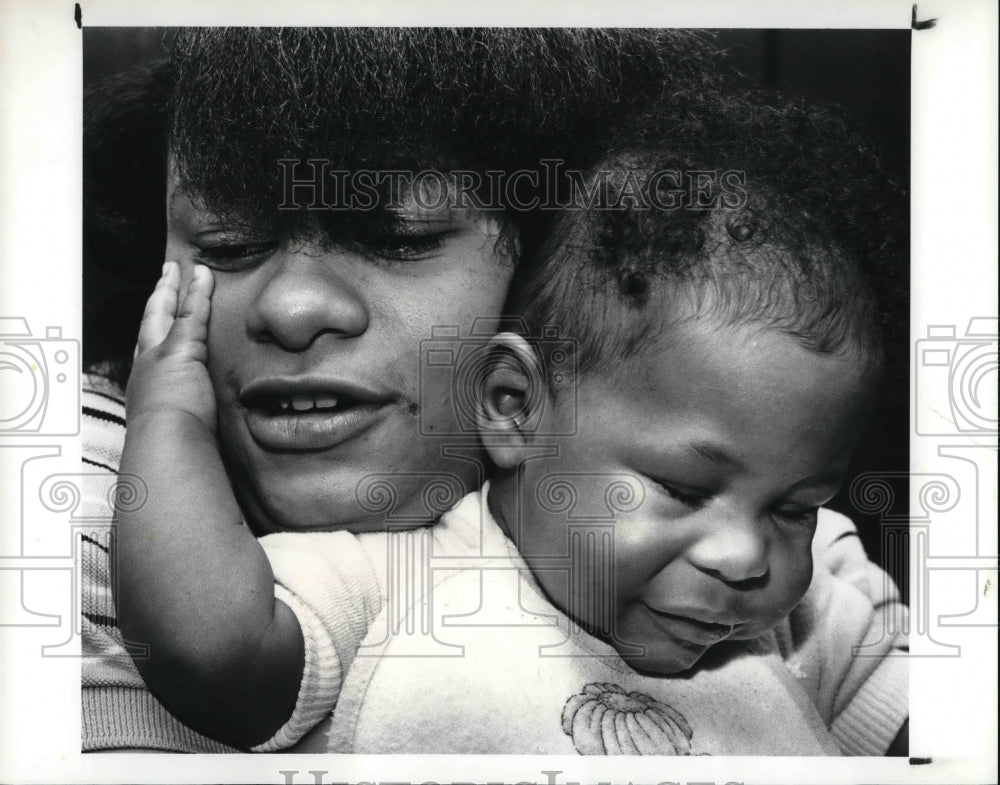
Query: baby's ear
x=512, y=398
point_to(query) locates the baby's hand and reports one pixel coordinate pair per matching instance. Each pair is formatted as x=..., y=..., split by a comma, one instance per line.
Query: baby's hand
x=169, y=374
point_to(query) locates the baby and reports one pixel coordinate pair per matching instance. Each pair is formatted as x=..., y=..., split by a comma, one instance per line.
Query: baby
x=649, y=569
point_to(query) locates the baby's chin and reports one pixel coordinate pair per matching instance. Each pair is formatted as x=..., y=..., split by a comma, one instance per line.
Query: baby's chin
x=677, y=658
x=663, y=658
x=668, y=657
x=652, y=665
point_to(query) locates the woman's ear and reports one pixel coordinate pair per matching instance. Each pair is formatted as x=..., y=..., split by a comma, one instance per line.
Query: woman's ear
x=513, y=396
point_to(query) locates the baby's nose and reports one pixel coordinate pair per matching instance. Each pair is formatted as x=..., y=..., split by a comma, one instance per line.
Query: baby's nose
x=734, y=550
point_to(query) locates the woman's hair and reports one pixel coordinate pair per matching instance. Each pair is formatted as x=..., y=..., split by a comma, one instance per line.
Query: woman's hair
x=399, y=99
x=746, y=206
x=230, y=103
x=125, y=133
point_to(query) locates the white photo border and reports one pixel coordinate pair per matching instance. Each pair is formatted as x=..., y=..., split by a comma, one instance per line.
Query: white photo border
x=954, y=262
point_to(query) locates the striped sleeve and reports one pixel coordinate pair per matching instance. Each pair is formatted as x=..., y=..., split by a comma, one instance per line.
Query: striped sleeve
x=107, y=662
x=117, y=710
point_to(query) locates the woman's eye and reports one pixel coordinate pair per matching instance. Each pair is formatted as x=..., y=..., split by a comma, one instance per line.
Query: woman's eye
x=405, y=247
x=233, y=256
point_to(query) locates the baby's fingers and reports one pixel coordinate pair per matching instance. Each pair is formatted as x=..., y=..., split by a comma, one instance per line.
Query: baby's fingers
x=191, y=323
x=160, y=309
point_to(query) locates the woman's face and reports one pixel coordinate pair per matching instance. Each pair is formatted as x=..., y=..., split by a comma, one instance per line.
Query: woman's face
x=325, y=418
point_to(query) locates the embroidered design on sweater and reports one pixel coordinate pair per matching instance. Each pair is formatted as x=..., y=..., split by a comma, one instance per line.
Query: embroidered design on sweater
x=606, y=720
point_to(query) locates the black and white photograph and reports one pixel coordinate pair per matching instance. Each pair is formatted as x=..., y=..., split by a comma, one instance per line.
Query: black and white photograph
x=582, y=397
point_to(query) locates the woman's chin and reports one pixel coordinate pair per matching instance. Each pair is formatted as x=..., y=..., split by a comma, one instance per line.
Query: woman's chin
x=350, y=498
x=279, y=502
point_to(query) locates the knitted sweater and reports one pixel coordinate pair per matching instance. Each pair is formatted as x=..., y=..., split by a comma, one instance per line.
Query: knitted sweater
x=325, y=579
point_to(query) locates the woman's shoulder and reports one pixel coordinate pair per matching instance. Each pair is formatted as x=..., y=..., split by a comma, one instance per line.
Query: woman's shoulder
x=102, y=420
x=103, y=380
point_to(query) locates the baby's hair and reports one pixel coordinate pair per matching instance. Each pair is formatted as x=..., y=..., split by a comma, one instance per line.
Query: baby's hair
x=401, y=99
x=733, y=206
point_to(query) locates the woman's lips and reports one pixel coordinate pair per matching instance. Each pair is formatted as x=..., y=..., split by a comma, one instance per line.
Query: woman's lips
x=310, y=413
x=317, y=429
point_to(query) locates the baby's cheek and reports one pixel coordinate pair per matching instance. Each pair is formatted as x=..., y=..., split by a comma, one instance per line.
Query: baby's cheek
x=790, y=580
x=804, y=568
x=796, y=577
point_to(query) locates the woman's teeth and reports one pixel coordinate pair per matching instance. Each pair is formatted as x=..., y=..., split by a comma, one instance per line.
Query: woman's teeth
x=307, y=403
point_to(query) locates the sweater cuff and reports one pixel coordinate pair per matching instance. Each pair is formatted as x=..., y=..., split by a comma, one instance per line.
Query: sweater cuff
x=870, y=722
x=321, y=677
x=125, y=718
x=328, y=583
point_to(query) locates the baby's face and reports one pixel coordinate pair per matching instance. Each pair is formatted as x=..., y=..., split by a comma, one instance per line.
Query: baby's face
x=728, y=440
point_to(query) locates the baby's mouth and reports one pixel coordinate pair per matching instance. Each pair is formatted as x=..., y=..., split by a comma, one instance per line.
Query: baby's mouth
x=692, y=630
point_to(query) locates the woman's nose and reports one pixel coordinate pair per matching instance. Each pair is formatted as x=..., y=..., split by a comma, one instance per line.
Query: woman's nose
x=306, y=294
x=733, y=548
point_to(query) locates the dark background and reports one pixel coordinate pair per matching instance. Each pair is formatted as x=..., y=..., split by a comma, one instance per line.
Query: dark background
x=868, y=73
x=865, y=71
